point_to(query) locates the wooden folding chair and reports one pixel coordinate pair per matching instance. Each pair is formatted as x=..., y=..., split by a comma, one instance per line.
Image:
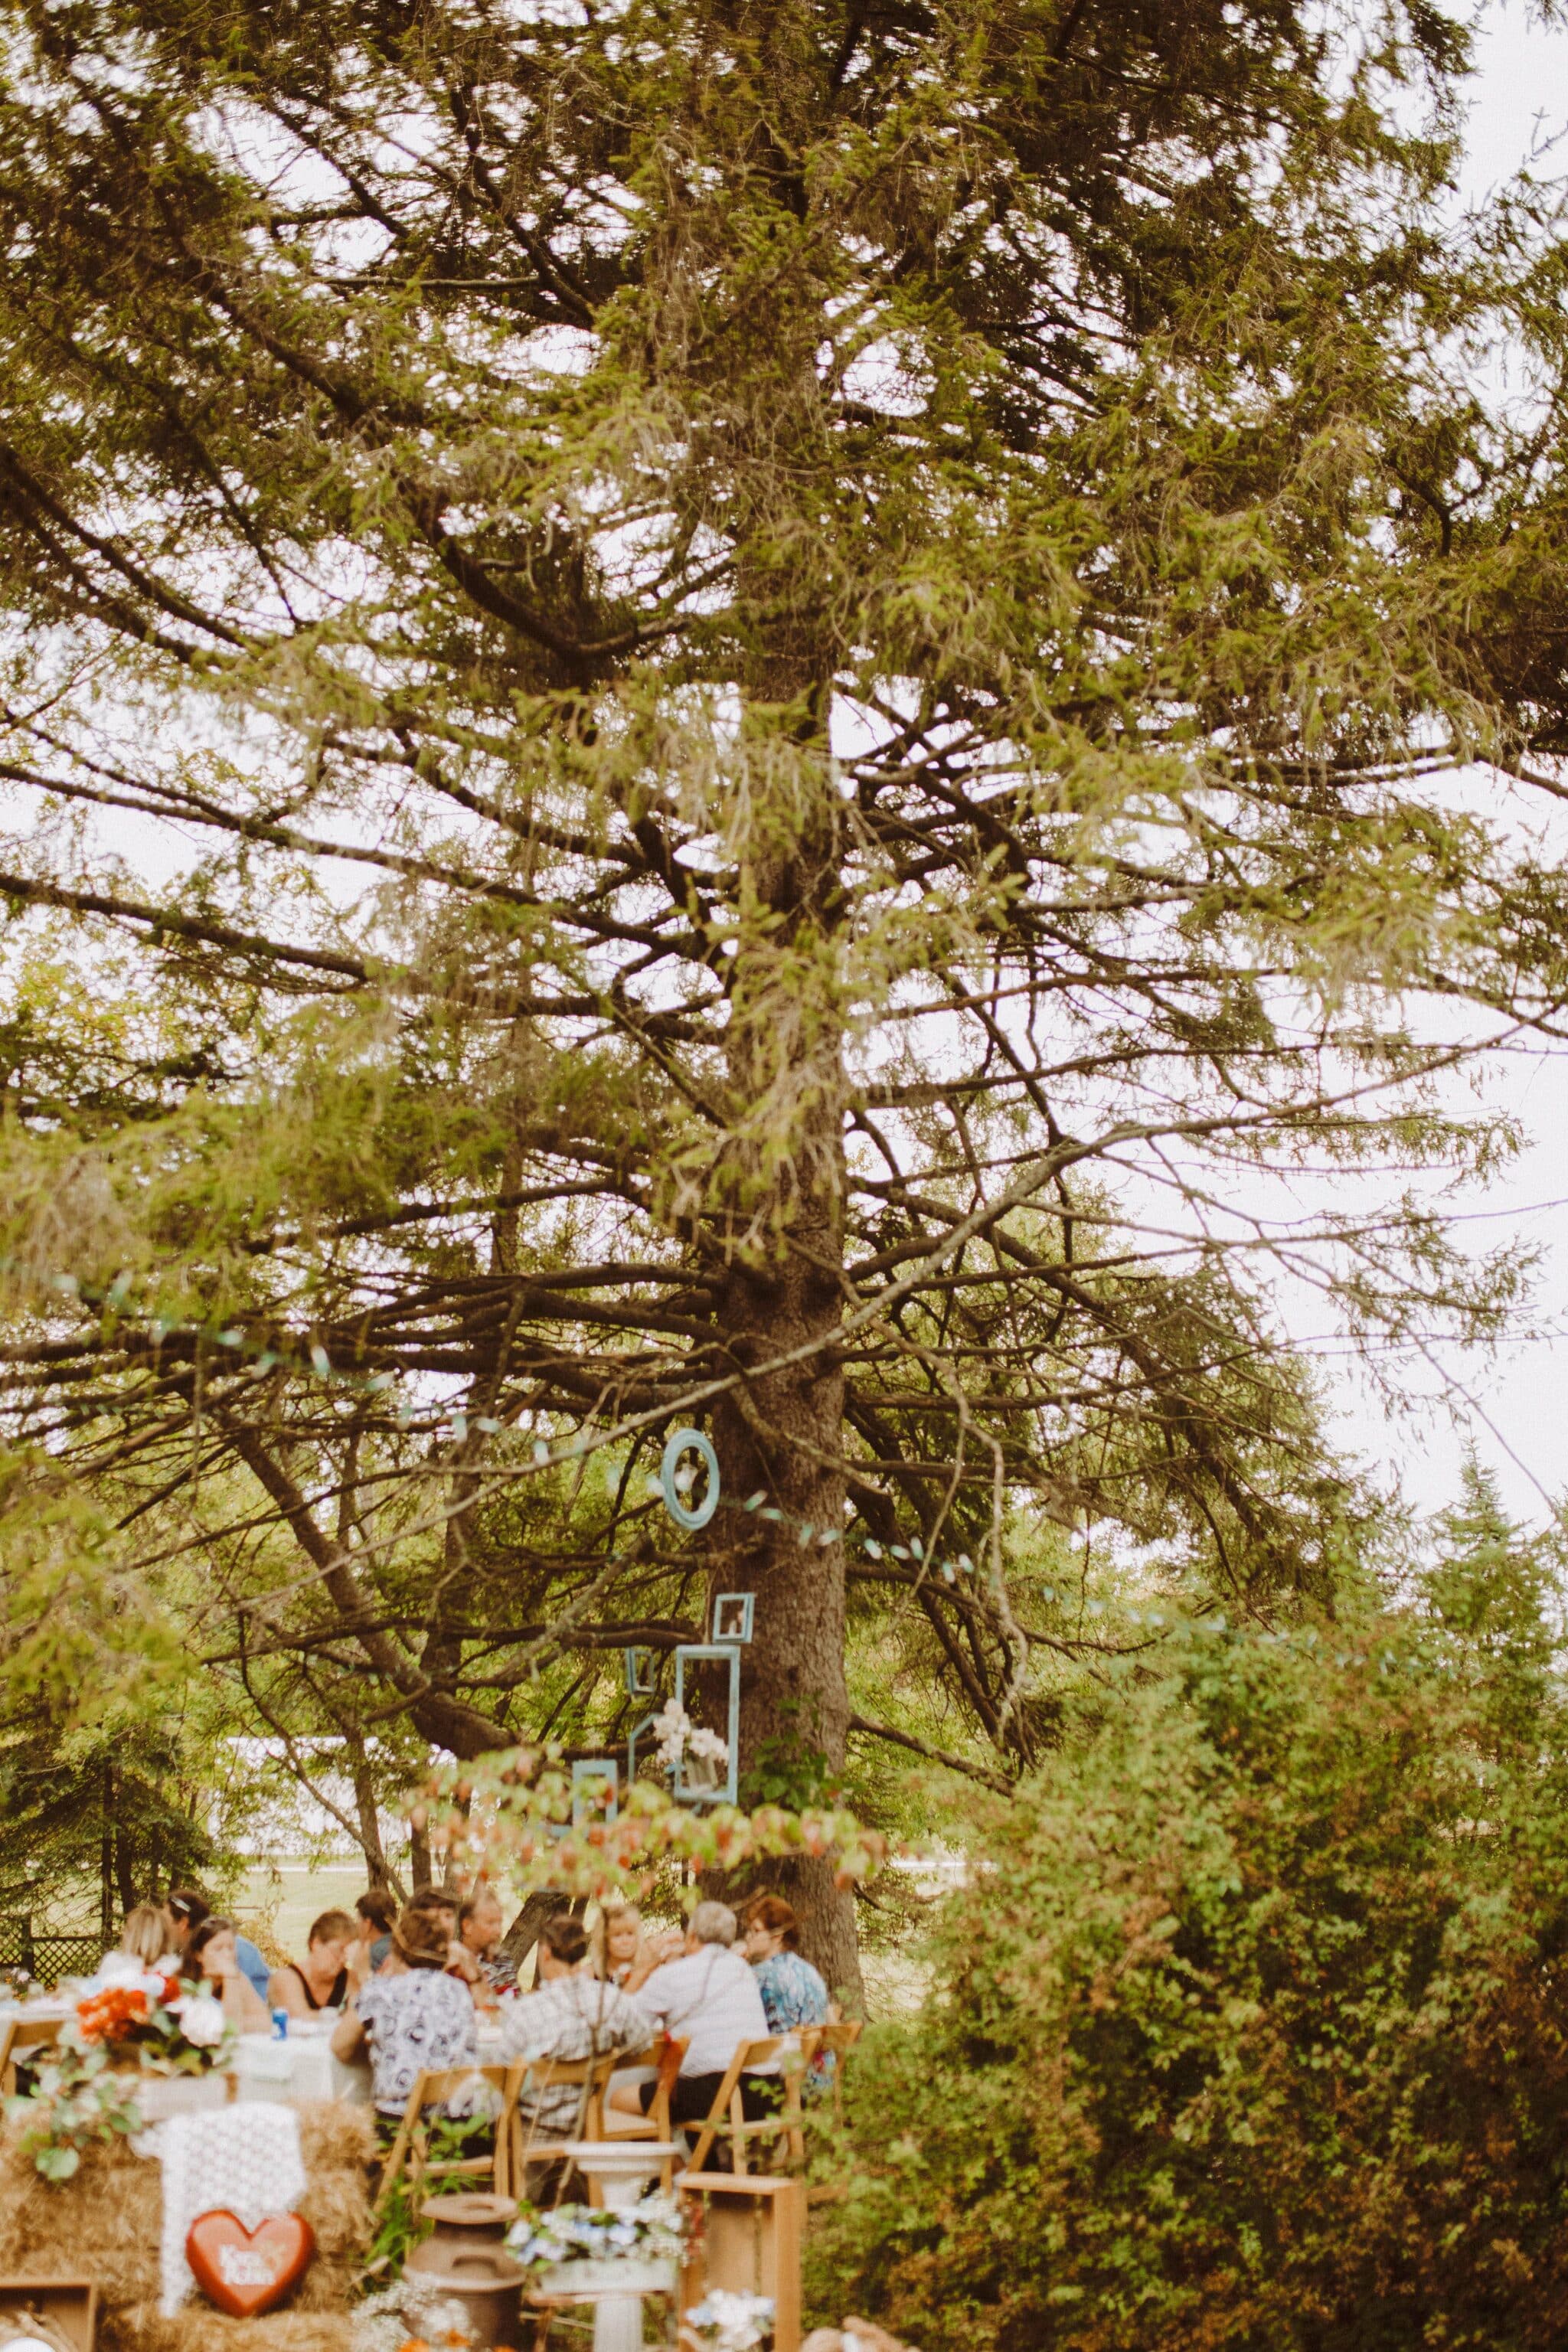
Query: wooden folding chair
x=23, y=2038
x=411, y=2148
x=588, y=2076
x=726, y=2118
x=665, y=2057
x=814, y=2041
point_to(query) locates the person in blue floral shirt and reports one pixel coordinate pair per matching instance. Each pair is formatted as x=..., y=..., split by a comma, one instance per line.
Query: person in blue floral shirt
x=792, y=1991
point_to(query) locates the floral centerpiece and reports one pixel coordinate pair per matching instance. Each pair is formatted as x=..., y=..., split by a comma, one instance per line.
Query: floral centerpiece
x=624, y=2249
x=127, y=2016
x=152, y=2017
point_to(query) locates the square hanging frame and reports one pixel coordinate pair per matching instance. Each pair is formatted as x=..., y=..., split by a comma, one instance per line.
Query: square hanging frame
x=596, y=1789
x=732, y=1616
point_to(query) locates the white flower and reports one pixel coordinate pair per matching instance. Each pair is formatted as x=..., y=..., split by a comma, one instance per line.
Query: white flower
x=730, y=2323
x=202, y=2020
x=120, y=1968
x=679, y=1737
x=673, y=1725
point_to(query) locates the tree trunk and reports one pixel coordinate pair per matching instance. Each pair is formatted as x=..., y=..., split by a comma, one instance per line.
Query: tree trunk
x=542, y=1904
x=418, y=1857
x=106, y=1860
x=125, y=1877
x=784, y=1435
x=378, y=1869
x=780, y=1226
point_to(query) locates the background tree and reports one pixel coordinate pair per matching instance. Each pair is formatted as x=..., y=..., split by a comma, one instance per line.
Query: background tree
x=729, y=708
x=1248, y=2028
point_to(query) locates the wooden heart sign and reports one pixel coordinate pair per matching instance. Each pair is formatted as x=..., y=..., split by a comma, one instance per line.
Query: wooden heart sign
x=243, y=2271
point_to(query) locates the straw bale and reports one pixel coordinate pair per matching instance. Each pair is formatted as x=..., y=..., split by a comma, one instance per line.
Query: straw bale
x=105, y=2224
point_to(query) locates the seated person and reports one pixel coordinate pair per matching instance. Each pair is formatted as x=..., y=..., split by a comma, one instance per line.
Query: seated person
x=572, y=2015
x=479, y=1960
x=322, y=1979
x=186, y=1910
x=376, y=1911
x=794, y=1993
x=618, y=1943
x=145, y=1937
x=211, y=1955
x=710, y=1996
x=441, y=1905
x=417, y=2019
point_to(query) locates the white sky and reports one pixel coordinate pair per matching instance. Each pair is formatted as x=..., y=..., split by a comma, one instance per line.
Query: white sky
x=1517, y=1421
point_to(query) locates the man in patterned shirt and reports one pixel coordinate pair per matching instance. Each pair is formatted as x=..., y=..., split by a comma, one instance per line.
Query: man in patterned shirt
x=572, y=2015
x=477, y=1956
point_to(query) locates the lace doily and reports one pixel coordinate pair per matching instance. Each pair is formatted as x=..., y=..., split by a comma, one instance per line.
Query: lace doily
x=244, y=2159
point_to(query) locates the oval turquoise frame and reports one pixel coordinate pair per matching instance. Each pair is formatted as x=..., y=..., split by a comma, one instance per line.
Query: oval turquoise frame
x=689, y=1441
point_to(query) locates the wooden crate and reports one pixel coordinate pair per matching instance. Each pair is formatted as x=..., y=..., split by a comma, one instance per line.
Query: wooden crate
x=746, y=2233
x=71, y=2303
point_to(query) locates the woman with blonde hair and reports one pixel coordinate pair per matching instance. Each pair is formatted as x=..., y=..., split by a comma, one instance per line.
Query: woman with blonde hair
x=145, y=1934
x=617, y=1943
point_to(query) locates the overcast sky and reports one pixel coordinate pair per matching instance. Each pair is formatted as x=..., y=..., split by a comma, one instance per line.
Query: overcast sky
x=1518, y=1420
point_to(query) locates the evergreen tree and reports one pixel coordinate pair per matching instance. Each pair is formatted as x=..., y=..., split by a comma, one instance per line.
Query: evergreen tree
x=723, y=707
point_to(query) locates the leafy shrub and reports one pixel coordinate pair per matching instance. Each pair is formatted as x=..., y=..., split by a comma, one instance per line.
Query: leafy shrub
x=1249, y=2025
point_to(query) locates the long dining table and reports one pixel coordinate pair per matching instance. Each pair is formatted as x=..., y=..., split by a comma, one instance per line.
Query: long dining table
x=302, y=2066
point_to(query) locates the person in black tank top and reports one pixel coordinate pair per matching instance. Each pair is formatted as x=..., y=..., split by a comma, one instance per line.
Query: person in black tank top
x=323, y=1980
x=334, y=1999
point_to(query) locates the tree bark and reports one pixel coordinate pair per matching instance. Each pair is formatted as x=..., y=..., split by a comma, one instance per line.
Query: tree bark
x=379, y=1869
x=106, y=1859
x=418, y=1858
x=782, y=1232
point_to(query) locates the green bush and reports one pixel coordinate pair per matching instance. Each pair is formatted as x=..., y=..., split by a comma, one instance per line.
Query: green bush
x=1248, y=2026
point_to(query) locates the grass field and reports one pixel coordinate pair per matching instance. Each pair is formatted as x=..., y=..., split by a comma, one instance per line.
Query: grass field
x=280, y=1899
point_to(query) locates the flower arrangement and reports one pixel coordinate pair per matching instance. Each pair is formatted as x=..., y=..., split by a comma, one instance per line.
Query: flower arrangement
x=727, y=2323
x=80, y=2092
x=171, y=2029
x=679, y=1738
x=412, y=2316
x=648, y=2231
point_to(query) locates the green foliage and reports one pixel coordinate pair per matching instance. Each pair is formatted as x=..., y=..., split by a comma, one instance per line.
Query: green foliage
x=77, y=2101
x=1247, y=2029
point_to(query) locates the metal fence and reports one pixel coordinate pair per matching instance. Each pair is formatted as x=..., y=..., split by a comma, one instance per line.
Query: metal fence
x=46, y=1958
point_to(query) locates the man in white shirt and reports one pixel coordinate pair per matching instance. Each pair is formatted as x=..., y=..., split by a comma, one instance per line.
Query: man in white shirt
x=571, y=2016
x=708, y=1996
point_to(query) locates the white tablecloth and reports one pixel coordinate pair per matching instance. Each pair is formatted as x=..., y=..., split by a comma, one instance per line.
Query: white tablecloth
x=303, y=2067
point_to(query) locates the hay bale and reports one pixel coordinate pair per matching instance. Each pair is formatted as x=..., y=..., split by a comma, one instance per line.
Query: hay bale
x=105, y=2224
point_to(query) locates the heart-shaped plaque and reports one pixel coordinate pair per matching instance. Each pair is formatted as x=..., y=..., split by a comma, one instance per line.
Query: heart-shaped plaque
x=243, y=2271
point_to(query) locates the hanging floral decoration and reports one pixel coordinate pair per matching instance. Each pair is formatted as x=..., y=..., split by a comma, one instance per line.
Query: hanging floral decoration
x=510, y=1814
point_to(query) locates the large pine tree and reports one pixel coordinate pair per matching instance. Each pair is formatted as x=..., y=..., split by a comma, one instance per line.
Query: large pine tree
x=721, y=708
